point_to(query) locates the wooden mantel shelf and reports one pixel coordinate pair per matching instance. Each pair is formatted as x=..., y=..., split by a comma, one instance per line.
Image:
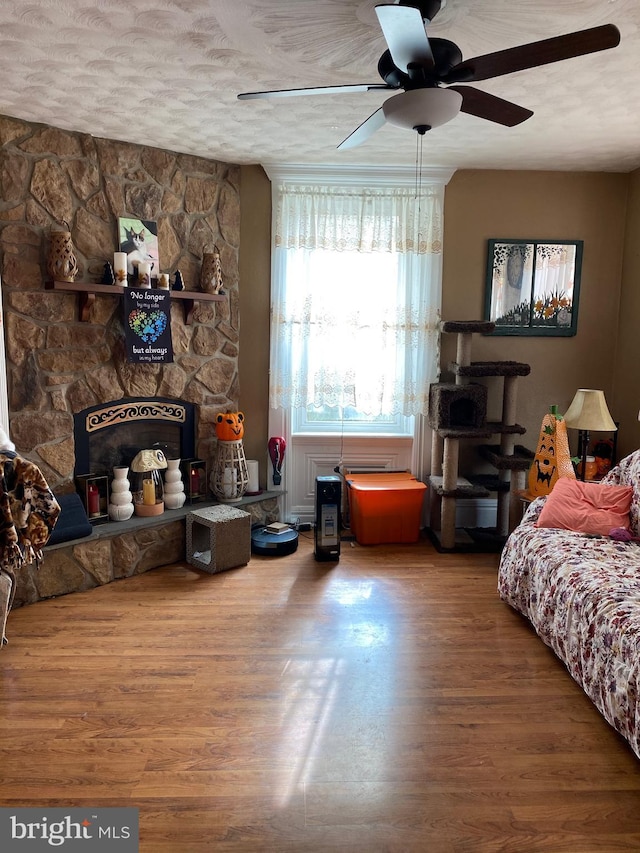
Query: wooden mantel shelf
x=88, y=291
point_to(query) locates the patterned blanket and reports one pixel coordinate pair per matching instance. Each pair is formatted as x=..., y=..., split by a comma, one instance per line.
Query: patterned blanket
x=582, y=596
x=28, y=514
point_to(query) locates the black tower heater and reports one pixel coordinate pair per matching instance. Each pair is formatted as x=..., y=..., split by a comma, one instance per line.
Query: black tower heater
x=328, y=503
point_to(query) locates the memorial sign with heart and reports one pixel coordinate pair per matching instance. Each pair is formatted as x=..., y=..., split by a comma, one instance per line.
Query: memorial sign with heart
x=148, y=326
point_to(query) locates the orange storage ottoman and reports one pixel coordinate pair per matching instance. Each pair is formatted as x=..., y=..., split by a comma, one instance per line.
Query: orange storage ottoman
x=385, y=508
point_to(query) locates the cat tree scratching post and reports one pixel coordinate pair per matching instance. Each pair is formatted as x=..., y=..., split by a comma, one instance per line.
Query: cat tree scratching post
x=507, y=447
x=451, y=455
x=457, y=412
x=449, y=486
x=463, y=354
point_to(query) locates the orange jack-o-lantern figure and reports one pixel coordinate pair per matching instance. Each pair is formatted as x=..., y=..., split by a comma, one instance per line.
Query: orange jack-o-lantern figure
x=603, y=452
x=552, y=459
x=230, y=426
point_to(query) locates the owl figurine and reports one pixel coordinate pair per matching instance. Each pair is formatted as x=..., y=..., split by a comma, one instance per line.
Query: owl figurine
x=149, y=460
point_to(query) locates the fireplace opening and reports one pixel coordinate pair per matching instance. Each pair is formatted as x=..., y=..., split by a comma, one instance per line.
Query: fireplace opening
x=111, y=434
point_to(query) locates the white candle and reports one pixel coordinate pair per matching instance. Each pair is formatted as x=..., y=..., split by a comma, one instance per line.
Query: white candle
x=163, y=281
x=230, y=479
x=120, y=268
x=253, y=469
x=144, y=274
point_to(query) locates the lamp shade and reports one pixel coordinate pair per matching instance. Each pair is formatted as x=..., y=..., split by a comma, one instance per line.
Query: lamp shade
x=588, y=411
x=422, y=107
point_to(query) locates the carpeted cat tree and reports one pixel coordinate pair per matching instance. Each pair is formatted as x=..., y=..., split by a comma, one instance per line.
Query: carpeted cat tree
x=457, y=412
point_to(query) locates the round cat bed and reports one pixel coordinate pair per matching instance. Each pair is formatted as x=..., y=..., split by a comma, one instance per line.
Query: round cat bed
x=273, y=544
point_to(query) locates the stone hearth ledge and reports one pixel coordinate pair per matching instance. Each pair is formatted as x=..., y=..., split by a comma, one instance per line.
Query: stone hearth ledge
x=121, y=549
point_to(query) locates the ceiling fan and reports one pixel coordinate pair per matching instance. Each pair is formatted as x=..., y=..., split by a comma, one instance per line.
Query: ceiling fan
x=420, y=65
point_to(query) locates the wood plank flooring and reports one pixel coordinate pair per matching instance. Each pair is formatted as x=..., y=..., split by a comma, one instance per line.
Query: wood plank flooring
x=389, y=702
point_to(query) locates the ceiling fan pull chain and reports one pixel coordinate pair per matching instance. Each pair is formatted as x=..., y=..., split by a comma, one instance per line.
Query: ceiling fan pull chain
x=419, y=144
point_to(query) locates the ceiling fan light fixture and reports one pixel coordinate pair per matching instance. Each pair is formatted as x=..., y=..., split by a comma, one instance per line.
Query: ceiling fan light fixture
x=432, y=107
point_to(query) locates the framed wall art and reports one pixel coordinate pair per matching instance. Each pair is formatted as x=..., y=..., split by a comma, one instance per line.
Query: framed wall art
x=139, y=239
x=533, y=286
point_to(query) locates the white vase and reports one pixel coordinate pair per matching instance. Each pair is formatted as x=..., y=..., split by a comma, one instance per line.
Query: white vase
x=174, y=496
x=121, y=500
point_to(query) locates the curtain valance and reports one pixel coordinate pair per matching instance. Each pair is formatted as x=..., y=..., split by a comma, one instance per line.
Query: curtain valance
x=359, y=219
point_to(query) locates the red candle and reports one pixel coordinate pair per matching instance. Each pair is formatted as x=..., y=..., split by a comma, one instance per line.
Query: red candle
x=195, y=481
x=93, y=500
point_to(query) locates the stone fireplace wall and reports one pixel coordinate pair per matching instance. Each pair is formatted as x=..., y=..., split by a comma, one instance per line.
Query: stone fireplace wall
x=56, y=365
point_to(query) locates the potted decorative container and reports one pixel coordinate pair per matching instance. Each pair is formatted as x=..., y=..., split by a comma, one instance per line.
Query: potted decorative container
x=174, y=496
x=121, y=500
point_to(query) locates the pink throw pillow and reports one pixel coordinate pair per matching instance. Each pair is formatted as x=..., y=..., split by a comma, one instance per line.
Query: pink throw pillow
x=591, y=508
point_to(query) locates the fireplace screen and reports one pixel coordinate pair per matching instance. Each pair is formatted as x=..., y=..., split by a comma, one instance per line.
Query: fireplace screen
x=110, y=435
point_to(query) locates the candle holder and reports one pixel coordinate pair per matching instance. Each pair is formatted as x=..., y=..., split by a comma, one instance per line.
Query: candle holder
x=211, y=272
x=61, y=264
x=230, y=476
x=194, y=477
x=94, y=493
x=146, y=482
x=147, y=492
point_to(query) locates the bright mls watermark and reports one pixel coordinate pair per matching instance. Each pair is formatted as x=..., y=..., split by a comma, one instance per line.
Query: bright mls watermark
x=83, y=830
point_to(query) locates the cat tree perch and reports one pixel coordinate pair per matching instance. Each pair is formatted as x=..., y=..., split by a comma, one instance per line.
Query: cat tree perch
x=457, y=412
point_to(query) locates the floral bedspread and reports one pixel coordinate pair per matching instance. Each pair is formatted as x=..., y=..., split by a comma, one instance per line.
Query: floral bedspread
x=582, y=596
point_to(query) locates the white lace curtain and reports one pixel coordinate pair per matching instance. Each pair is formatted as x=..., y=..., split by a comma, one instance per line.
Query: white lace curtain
x=356, y=297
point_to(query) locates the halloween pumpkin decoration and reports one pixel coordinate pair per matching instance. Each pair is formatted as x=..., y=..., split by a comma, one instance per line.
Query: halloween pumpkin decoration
x=230, y=426
x=603, y=453
x=230, y=475
x=552, y=458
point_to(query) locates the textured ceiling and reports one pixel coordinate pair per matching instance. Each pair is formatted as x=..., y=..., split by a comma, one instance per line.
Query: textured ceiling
x=167, y=72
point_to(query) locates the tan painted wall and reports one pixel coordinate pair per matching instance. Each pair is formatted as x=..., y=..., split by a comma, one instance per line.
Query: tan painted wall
x=480, y=205
x=255, y=286
x=544, y=205
x=626, y=390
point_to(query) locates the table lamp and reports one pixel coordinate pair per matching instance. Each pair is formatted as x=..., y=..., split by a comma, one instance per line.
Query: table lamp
x=588, y=412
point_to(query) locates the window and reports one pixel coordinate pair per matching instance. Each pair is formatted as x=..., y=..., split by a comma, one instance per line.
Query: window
x=338, y=420
x=351, y=342
x=355, y=306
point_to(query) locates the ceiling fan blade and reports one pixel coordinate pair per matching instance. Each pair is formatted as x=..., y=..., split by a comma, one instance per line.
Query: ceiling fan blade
x=475, y=102
x=535, y=54
x=314, y=90
x=429, y=9
x=367, y=129
x=403, y=30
